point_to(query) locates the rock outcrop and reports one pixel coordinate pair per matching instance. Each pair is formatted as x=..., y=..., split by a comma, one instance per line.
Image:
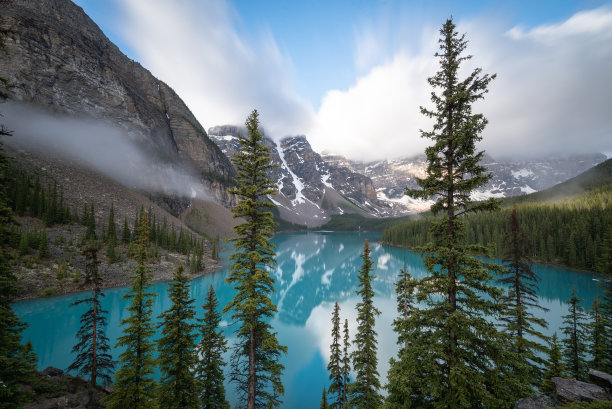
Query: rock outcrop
x=538, y=402
x=71, y=392
x=60, y=60
x=572, y=390
x=601, y=379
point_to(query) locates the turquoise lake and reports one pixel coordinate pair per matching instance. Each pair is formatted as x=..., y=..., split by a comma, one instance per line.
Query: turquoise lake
x=314, y=270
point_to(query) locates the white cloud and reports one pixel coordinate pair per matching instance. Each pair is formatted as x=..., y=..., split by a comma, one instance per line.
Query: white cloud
x=194, y=47
x=553, y=93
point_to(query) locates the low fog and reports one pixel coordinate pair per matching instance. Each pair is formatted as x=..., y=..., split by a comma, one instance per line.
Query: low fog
x=104, y=147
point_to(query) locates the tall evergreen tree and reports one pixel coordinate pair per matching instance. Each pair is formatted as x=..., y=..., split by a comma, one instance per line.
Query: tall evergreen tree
x=93, y=357
x=90, y=223
x=554, y=365
x=335, y=362
x=346, y=364
x=448, y=363
x=126, y=236
x=575, y=332
x=212, y=346
x=177, y=356
x=398, y=385
x=597, y=335
x=324, y=404
x=255, y=367
x=521, y=283
x=134, y=386
x=364, y=391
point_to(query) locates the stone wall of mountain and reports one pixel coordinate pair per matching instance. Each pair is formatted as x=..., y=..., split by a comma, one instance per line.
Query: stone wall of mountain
x=59, y=59
x=309, y=189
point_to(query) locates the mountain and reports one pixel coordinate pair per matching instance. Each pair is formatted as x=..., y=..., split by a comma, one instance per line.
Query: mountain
x=310, y=189
x=510, y=177
x=58, y=59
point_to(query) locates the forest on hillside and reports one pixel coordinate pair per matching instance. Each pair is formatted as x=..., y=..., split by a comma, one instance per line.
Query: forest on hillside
x=576, y=231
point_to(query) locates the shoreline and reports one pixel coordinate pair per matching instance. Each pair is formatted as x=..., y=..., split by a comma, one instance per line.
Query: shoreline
x=543, y=263
x=125, y=282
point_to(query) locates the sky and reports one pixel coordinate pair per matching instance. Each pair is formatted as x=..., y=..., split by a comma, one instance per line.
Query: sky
x=351, y=75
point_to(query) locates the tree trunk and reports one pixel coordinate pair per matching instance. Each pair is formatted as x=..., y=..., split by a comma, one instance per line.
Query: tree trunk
x=252, y=374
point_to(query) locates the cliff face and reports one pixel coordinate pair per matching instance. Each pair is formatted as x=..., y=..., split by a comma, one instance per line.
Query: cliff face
x=59, y=59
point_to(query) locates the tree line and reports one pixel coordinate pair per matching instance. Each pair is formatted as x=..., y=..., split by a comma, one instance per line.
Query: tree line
x=575, y=232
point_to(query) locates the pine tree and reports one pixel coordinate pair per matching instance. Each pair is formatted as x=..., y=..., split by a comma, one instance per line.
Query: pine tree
x=521, y=283
x=177, y=358
x=448, y=365
x=398, y=385
x=111, y=236
x=324, y=404
x=125, y=234
x=597, y=336
x=254, y=368
x=575, y=332
x=93, y=357
x=43, y=247
x=364, y=391
x=554, y=366
x=335, y=362
x=134, y=386
x=212, y=346
x=90, y=223
x=346, y=365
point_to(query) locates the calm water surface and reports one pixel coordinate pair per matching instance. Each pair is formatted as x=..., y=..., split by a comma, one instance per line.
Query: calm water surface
x=314, y=270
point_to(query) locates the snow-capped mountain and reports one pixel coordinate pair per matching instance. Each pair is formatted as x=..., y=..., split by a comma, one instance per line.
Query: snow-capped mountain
x=310, y=189
x=510, y=177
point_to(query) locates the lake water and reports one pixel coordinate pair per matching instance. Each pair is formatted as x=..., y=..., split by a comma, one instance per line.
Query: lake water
x=314, y=271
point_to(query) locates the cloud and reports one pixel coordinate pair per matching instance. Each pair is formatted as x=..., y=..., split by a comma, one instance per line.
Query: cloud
x=100, y=145
x=194, y=47
x=552, y=95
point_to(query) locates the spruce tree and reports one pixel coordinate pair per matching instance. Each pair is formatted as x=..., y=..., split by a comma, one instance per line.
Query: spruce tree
x=177, y=356
x=255, y=367
x=575, y=332
x=459, y=358
x=111, y=235
x=134, y=386
x=346, y=365
x=398, y=385
x=335, y=362
x=126, y=236
x=43, y=246
x=93, y=358
x=554, y=365
x=521, y=283
x=210, y=350
x=597, y=336
x=324, y=404
x=90, y=223
x=364, y=391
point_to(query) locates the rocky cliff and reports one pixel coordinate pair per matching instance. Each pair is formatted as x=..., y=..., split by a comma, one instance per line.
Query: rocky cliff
x=60, y=60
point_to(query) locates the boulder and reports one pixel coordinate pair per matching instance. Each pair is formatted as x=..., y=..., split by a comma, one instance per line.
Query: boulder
x=537, y=402
x=52, y=372
x=572, y=390
x=601, y=378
